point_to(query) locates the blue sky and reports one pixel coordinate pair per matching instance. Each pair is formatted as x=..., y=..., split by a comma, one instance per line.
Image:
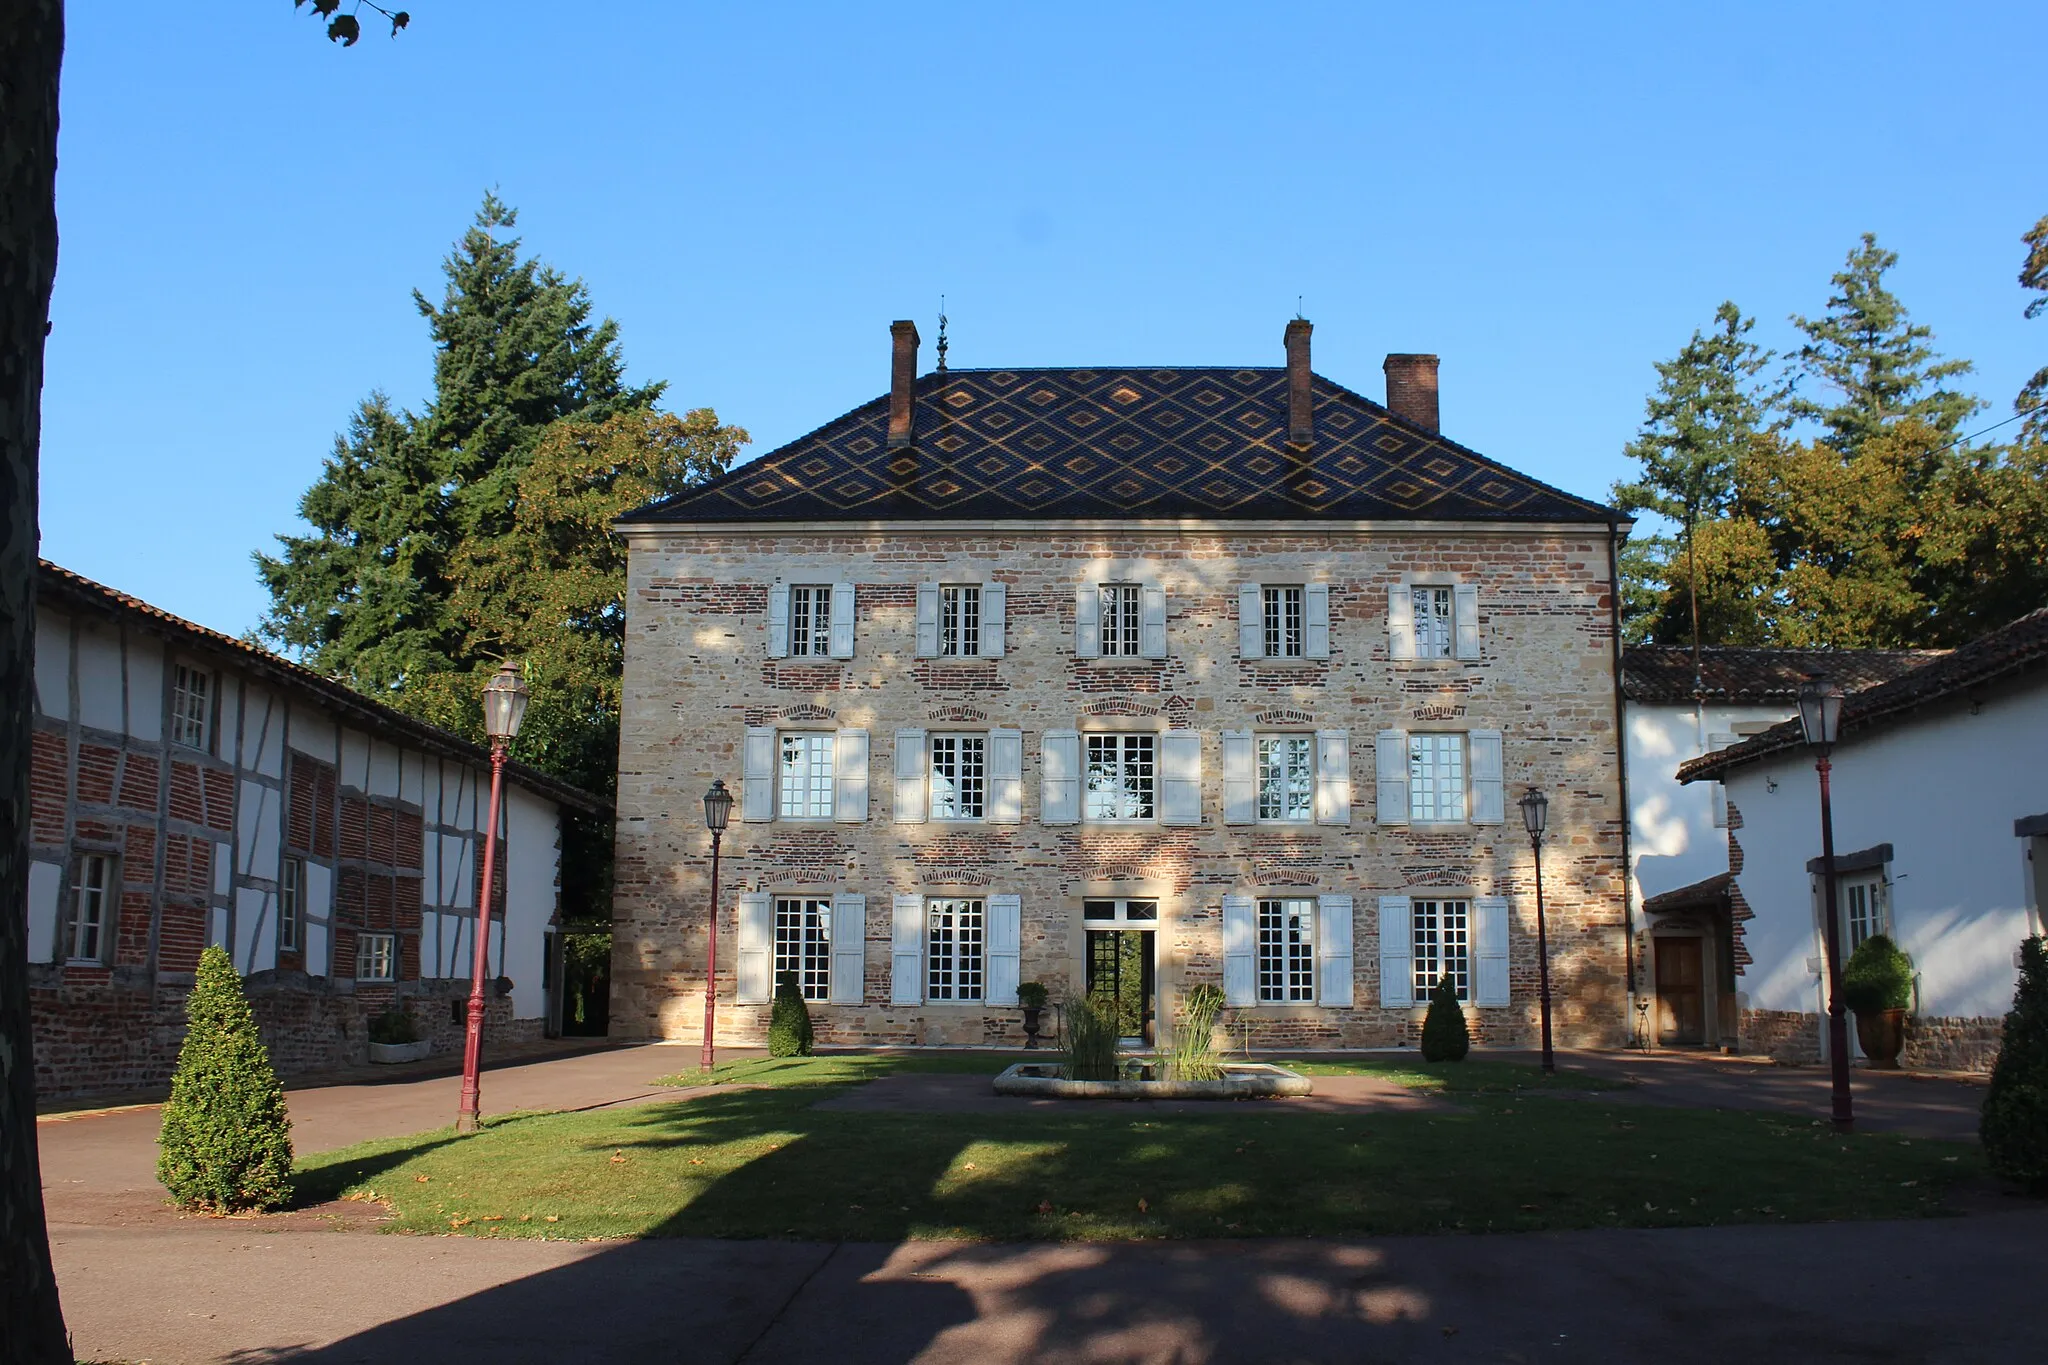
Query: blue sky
x=1550, y=197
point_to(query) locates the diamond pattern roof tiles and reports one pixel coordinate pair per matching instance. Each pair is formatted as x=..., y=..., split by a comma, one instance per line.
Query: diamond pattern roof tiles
x=1115, y=444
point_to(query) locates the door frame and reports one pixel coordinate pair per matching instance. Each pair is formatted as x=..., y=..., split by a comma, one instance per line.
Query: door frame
x=1122, y=919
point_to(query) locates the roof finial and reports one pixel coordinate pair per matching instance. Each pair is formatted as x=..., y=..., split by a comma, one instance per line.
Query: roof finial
x=942, y=334
x=1298, y=314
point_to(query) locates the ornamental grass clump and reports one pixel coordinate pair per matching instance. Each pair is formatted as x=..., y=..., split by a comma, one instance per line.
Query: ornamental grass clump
x=789, y=1020
x=1878, y=977
x=1193, y=1057
x=226, y=1142
x=1444, y=1035
x=1091, y=1033
x=2014, y=1127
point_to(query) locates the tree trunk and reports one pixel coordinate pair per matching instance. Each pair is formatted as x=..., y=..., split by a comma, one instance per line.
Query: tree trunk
x=31, y=53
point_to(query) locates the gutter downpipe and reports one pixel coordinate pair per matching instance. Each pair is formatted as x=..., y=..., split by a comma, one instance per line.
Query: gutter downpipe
x=1628, y=925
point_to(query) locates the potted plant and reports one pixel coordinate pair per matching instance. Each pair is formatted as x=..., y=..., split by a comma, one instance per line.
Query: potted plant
x=395, y=1038
x=1031, y=998
x=1877, y=986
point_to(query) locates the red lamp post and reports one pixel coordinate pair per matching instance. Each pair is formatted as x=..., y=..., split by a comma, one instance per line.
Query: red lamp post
x=717, y=811
x=504, y=707
x=1820, y=715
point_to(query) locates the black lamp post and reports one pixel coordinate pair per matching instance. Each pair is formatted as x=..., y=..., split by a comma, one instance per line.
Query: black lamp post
x=717, y=811
x=1535, y=814
x=1820, y=714
x=504, y=708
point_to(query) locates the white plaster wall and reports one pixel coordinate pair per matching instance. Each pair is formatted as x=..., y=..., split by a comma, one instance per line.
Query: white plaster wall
x=257, y=812
x=355, y=760
x=1673, y=841
x=312, y=734
x=383, y=769
x=532, y=833
x=263, y=722
x=255, y=930
x=226, y=736
x=99, y=677
x=145, y=687
x=1943, y=791
x=45, y=899
x=53, y=665
x=412, y=771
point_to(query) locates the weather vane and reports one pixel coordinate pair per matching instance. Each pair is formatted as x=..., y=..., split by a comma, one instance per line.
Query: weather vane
x=942, y=334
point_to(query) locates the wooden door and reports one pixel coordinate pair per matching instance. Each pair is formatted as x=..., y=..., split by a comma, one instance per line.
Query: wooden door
x=1681, y=1003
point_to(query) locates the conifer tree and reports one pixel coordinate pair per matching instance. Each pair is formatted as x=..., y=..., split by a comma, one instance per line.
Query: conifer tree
x=226, y=1142
x=2014, y=1127
x=1445, y=1038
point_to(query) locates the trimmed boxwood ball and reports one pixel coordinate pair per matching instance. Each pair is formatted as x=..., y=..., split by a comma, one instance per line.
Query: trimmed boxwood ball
x=2014, y=1127
x=1877, y=977
x=789, y=1020
x=1444, y=1035
x=226, y=1142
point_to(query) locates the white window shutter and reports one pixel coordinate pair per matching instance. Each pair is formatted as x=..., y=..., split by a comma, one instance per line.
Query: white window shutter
x=850, y=777
x=1240, y=778
x=906, y=950
x=1180, y=773
x=1059, y=778
x=1397, y=953
x=1490, y=950
x=1251, y=621
x=1465, y=619
x=912, y=792
x=1315, y=610
x=1005, y=777
x=1152, y=621
x=849, y=948
x=1400, y=621
x=927, y=620
x=756, y=949
x=1087, y=621
x=1240, y=950
x=778, y=620
x=1489, y=783
x=1333, y=777
x=1390, y=765
x=995, y=606
x=757, y=768
x=842, y=620
x=1333, y=951
x=1003, y=949
x=1720, y=789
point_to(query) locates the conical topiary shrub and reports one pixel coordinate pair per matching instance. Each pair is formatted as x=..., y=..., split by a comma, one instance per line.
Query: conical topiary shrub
x=1444, y=1035
x=2014, y=1128
x=789, y=1020
x=226, y=1144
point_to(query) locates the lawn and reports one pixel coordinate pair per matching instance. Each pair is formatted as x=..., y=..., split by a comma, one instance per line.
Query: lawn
x=757, y=1160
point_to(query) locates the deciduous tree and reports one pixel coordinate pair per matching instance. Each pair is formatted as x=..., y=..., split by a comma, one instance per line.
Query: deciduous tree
x=2033, y=396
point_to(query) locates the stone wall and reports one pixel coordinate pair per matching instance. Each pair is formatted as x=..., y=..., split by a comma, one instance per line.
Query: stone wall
x=697, y=673
x=1952, y=1044
x=1785, y=1036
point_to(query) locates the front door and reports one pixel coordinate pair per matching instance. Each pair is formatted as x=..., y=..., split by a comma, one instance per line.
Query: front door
x=1120, y=980
x=1681, y=1001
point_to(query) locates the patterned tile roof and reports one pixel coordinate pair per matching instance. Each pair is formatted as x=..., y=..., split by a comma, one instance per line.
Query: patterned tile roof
x=1662, y=674
x=1122, y=443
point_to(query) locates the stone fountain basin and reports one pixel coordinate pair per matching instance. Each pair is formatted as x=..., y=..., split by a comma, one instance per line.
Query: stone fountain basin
x=1241, y=1081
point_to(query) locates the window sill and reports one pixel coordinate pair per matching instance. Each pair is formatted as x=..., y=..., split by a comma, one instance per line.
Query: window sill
x=1285, y=661
x=1117, y=661
x=1143, y=822
x=1307, y=822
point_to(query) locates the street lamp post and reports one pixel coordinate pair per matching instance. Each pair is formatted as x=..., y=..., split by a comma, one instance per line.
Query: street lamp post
x=1535, y=813
x=504, y=708
x=717, y=811
x=1820, y=714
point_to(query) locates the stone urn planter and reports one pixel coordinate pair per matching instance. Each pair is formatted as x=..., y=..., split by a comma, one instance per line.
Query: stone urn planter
x=1882, y=1035
x=385, y=1053
x=1031, y=998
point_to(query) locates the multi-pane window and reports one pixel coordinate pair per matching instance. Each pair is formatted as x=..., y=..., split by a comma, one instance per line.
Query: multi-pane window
x=959, y=776
x=805, y=777
x=191, y=706
x=810, y=619
x=1287, y=777
x=1120, y=777
x=1120, y=603
x=1285, y=634
x=1287, y=954
x=1436, y=777
x=1435, y=637
x=1862, y=910
x=291, y=890
x=953, y=947
x=376, y=957
x=1443, y=946
x=803, y=943
x=85, y=936
x=960, y=620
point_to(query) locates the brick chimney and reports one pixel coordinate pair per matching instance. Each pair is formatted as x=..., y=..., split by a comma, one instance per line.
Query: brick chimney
x=902, y=382
x=1301, y=420
x=1411, y=389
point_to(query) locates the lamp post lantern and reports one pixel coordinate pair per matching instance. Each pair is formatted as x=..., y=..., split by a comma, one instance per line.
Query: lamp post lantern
x=505, y=698
x=717, y=811
x=1535, y=814
x=1820, y=715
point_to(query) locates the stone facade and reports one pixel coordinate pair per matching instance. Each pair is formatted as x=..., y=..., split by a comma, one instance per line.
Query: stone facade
x=1793, y=1039
x=699, y=673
